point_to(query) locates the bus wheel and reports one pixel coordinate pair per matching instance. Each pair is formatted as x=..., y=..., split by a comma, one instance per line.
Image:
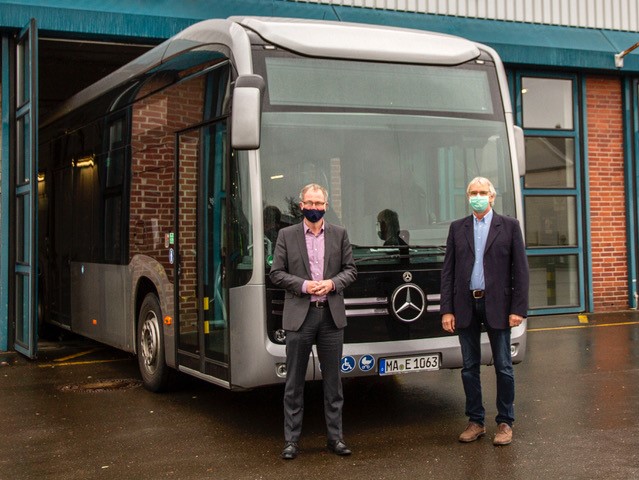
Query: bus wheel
x=150, y=351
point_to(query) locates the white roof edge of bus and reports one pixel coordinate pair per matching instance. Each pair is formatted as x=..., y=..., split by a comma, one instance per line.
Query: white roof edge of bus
x=203, y=33
x=503, y=80
x=370, y=42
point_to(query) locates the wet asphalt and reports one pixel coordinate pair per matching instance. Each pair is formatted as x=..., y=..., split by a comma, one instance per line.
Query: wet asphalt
x=79, y=412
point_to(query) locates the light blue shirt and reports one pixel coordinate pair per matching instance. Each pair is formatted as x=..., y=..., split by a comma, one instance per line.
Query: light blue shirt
x=480, y=230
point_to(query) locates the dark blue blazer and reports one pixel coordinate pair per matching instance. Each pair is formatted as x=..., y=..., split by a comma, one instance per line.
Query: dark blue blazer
x=505, y=272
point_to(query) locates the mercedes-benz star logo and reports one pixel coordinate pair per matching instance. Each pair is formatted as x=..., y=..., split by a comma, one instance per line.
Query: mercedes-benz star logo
x=408, y=302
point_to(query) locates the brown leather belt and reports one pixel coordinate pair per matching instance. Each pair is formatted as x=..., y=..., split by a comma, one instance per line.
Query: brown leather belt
x=477, y=294
x=319, y=304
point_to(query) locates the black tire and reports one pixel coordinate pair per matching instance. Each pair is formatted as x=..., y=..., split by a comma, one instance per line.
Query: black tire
x=150, y=349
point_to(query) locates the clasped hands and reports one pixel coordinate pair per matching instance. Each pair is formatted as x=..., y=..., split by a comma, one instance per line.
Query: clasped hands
x=320, y=288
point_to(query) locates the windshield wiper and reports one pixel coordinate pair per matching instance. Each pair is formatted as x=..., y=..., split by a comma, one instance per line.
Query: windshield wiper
x=405, y=252
x=439, y=248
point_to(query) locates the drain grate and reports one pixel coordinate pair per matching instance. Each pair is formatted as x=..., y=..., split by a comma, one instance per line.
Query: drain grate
x=102, y=386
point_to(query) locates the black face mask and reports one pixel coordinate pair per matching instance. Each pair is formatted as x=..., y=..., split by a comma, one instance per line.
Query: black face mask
x=313, y=215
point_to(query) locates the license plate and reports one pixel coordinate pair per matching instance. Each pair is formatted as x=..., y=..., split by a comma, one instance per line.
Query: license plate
x=420, y=363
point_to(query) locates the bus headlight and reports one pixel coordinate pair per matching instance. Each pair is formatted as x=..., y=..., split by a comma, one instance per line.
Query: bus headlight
x=514, y=348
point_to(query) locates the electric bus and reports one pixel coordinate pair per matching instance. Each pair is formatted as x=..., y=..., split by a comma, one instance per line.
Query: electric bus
x=161, y=189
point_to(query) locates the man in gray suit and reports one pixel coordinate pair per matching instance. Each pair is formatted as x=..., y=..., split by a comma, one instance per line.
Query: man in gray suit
x=313, y=262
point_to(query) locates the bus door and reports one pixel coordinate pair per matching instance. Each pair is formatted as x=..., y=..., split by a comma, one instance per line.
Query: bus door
x=24, y=237
x=203, y=333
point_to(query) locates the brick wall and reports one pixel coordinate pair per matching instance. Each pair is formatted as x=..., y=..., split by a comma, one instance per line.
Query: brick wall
x=607, y=200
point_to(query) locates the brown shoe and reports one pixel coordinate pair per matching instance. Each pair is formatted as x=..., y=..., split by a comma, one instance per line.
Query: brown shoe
x=504, y=434
x=473, y=432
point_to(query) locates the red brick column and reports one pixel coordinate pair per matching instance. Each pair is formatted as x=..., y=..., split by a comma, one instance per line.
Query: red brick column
x=607, y=195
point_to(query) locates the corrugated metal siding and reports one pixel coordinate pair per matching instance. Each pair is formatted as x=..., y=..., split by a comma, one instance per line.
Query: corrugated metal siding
x=603, y=14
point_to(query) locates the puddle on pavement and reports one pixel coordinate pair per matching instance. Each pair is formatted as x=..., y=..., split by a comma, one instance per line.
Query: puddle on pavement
x=102, y=386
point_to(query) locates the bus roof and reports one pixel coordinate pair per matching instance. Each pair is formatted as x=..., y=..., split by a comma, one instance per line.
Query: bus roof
x=361, y=41
x=307, y=37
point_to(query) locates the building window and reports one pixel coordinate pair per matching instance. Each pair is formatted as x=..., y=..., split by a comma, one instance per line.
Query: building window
x=554, y=281
x=550, y=162
x=550, y=221
x=552, y=195
x=547, y=103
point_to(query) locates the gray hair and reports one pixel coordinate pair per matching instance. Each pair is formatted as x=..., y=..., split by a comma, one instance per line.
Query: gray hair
x=483, y=181
x=313, y=186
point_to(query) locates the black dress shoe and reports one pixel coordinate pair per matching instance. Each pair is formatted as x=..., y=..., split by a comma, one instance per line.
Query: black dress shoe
x=338, y=447
x=290, y=451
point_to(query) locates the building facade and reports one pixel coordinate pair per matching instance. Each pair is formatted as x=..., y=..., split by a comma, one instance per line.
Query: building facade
x=574, y=82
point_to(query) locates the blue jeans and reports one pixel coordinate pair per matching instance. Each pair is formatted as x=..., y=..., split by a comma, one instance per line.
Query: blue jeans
x=469, y=338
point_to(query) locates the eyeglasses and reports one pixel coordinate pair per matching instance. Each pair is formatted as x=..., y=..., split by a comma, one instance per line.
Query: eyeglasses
x=309, y=204
x=474, y=193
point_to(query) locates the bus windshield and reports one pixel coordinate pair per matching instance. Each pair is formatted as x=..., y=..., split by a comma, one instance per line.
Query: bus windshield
x=395, y=145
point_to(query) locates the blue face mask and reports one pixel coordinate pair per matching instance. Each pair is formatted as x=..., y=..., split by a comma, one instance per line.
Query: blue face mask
x=313, y=215
x=479, y=203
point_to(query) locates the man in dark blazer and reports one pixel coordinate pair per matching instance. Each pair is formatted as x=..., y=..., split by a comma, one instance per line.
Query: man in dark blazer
x=313, y=262
x=485, y=282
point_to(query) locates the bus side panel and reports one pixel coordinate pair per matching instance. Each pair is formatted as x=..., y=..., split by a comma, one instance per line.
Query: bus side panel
x=99, y=296
x=253, y=356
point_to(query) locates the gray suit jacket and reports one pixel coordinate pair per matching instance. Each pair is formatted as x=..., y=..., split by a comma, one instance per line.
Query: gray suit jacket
x=291, y=268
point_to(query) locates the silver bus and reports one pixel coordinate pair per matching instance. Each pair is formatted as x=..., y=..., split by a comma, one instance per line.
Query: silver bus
x=161, y=189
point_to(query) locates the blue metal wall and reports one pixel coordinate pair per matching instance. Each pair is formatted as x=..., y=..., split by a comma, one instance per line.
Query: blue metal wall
x=4, y=199
x=146, y=19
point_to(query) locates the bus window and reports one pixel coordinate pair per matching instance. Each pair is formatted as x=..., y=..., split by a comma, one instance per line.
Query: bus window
x=213, y=233
x=113, y=189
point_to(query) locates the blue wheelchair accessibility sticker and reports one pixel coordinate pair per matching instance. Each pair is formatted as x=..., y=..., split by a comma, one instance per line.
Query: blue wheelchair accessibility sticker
x=348, y=364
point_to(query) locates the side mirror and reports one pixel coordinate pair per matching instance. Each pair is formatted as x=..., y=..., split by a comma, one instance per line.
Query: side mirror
x=246, y=112
x=520, y=146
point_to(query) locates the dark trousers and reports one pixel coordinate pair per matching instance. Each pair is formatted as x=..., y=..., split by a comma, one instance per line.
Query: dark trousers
x=318, y=328
x=469, y=338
